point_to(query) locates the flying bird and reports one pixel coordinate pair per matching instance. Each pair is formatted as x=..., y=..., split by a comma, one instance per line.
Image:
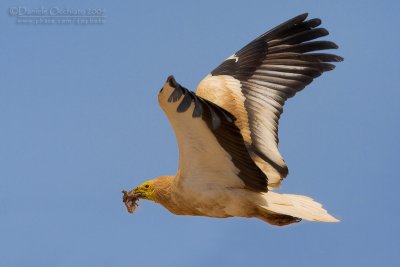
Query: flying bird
x=227, y=132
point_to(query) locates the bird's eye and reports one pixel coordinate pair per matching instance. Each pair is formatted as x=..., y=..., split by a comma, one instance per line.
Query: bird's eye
x=146, y=186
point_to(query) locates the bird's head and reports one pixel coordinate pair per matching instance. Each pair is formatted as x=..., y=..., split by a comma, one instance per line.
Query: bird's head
x=145, y=191
x=156, y=190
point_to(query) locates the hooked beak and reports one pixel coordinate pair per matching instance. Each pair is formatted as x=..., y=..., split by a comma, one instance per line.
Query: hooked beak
x=133, y=194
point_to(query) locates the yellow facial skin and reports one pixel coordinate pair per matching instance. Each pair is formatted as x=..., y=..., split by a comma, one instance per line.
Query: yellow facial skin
x=145, y=191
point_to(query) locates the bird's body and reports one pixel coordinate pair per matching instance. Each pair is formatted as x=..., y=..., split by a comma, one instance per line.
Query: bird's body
x=212, y=201
x=227, y=132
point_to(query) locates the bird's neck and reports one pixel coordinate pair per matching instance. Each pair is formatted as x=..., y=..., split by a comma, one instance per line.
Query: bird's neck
x=162, y=189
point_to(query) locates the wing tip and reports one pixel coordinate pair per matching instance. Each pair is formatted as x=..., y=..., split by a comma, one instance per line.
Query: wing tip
x=301, y=17
x=171, y=81
x=339, y=59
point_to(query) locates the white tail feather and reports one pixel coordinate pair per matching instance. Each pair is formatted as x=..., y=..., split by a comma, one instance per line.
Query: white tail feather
x=297, y=206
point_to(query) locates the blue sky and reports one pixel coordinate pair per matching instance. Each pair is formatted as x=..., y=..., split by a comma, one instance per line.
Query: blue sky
x=80, y=122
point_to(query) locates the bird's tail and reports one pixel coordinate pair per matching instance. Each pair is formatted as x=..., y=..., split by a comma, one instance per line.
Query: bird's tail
x=282, y=209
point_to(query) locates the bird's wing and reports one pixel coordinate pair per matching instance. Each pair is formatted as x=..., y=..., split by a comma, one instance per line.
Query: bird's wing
x=211, y=149
x=254, y=83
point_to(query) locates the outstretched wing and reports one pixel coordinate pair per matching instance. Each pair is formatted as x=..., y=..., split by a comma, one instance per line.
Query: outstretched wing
x=254, y=83
x=211, y=149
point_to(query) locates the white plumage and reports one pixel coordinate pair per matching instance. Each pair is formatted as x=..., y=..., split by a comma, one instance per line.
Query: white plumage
x=227, y=132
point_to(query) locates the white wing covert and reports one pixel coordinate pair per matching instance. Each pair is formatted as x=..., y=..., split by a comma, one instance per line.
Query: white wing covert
x=211, y=149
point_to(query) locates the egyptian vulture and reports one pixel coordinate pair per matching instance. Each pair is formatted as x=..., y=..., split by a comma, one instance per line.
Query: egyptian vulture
x=227, y=132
